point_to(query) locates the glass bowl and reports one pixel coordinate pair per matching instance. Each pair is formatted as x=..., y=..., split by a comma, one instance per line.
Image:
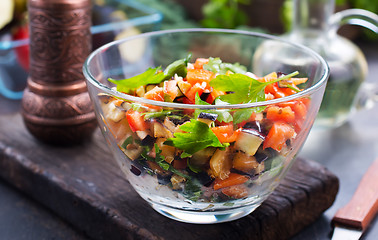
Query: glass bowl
x=205, y=182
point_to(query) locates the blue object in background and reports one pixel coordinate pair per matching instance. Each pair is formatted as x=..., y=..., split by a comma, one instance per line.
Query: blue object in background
x=13, y=77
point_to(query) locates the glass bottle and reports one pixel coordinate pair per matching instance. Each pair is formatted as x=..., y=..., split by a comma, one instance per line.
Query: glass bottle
x=315, y=25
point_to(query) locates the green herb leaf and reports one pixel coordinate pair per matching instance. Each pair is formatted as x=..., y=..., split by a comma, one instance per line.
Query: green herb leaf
x=128, y=141
x=244, y=90
x=177, y=67
x=217, y=66
x=243, y=115
x=197, y=135
x=192, y=190
x=148, y=77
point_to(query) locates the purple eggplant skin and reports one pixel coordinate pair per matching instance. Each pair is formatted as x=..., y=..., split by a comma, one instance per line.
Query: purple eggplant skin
x=208, y=116
x=135, y=170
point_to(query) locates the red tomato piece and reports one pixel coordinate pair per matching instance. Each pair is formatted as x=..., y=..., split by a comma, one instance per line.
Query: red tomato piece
x=136, y=120
x=284, y=114
x=157, y=94
x=196, y=88
x=236, y=191
x=233, y=179
x=226, y=133
x=198, y=76
x=277, y=136
x=200, y=62
x=213, y=95
x=170, y=88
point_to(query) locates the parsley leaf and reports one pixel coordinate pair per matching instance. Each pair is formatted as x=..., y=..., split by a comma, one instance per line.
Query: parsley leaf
x=217, y=66
x=243, y=89
x=148, y=77
x=197, y=135
x=152, y=76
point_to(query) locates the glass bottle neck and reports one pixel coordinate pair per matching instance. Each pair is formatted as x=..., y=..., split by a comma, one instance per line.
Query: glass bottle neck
x=310, y=17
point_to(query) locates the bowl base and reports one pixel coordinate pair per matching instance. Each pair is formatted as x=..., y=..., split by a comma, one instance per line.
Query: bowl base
x=203, y=217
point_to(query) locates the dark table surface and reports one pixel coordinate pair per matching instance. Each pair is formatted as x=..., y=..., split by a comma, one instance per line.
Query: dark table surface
x=347, y=151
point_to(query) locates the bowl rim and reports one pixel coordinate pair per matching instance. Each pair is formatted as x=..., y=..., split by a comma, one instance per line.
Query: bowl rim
x=92, y=80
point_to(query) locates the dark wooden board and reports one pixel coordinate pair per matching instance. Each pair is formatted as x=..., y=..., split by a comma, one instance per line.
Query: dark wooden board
x=84, y=186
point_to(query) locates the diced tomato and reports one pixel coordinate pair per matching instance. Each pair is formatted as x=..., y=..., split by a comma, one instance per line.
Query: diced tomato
x=277, y=136
x=269, y=96
x=226, y=133
x=198, y=76
x=233, y=179
x=200, y=62
x=274, y=90
x=170, y=88
x=236, y=191
x=157, y=94
x=298, y=107
x=213, y=95
x=136, y=120
x=268, y=78
x=196, y=88
x=297, y=81
x=284, y=114
x=288, y=91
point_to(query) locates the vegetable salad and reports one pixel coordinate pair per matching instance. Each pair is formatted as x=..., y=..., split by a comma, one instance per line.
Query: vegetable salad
x=210, y=155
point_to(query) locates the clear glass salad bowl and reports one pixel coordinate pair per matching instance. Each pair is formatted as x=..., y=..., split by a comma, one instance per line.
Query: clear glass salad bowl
x=204, y=150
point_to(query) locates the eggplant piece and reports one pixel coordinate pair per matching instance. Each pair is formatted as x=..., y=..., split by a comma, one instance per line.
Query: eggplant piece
x=113, y=112
x=253, y=125
x=201, y=158
x=221, y=164
x=135, y=170
x=160, y=130
x=163, y=179
x=247, y=163
x=105, y=98
x=204, y=179
x=132, y=151
x=140, y=91
x=168, y=152
x=249, y=141
x=176, y=181
x=205, y=95
x=260, y=157
x=207, y=118
x=148, y=141
x=169, y=124
x=142, y=134
x=179, y=121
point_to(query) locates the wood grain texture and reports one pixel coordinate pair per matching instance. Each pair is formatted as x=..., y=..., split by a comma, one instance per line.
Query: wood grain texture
x=84, y=186
x=363, y=206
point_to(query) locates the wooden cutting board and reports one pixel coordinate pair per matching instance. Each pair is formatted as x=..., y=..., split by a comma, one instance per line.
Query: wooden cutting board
x=83, y=185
